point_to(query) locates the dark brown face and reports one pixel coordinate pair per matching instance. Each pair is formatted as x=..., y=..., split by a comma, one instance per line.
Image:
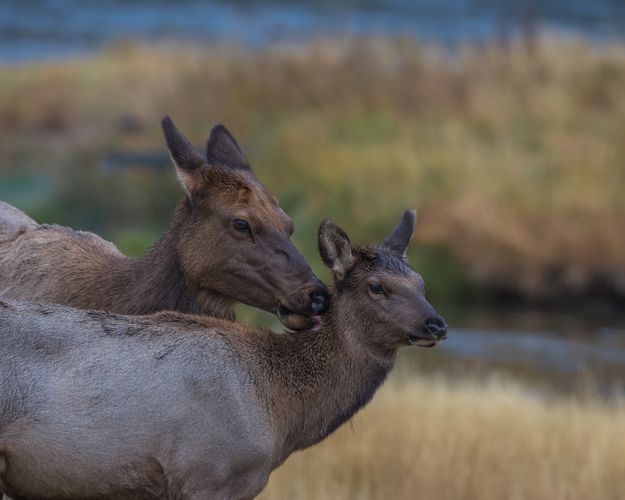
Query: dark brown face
x=237, y=239
x=377, y=289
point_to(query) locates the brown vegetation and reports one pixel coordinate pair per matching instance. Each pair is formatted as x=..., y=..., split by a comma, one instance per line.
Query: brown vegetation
x=515, y=158
x=428, y=438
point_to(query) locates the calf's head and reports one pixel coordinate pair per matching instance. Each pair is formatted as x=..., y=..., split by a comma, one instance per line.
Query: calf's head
x=236, y=239
x=376, y=290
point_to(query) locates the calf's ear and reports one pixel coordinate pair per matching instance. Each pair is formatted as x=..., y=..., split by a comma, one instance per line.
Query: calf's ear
x=399, y=239
x=335, y=249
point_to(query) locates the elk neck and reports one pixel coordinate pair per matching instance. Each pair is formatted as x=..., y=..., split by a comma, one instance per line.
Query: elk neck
x=156, y=281
x=313, y=382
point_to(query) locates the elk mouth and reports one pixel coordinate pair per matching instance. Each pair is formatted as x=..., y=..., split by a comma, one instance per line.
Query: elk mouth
x=296, y=321
x=423, y=341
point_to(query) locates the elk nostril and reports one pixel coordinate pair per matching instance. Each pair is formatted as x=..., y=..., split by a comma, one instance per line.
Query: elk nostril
x=436, y=326
x=282, y=253
x=319, y=302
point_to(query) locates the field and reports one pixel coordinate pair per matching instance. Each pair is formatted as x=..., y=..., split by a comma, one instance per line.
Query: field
x=513, y=155
x=428, y=438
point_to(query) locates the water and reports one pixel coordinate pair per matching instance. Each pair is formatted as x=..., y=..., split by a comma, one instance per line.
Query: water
x=605, y=349
x=553, y=344
x=39, y=29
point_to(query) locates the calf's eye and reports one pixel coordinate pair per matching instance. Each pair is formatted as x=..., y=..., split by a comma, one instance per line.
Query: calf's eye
x=375, y=288
x=241, y=225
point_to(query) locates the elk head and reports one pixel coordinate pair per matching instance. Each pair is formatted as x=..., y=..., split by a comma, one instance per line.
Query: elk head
x=236, y=240
x=376, y=290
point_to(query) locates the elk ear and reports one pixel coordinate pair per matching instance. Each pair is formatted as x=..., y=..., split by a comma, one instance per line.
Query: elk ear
x=223, y=149
x=335, y=248
x=401, y=235
x=186, y=158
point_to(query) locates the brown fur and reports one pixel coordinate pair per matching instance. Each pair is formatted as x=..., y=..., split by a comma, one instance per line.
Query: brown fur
x=202, y=264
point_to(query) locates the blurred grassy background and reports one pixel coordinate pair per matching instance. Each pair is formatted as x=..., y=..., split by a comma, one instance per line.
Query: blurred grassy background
x=513, y=154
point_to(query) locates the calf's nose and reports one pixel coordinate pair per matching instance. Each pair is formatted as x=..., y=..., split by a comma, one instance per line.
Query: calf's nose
x=436, y=326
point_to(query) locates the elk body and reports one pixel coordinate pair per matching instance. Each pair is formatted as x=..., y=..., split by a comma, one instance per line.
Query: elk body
x=95, y=405
x=228, y=242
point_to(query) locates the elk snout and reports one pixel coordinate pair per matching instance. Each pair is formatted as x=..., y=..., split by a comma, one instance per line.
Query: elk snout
x=319, y=301
x=431, y=331
x=313, y=299
x=436, y=327
x=306, y=308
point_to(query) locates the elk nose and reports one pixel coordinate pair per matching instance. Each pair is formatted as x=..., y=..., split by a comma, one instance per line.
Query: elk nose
x=319, y=302
x=436, y=326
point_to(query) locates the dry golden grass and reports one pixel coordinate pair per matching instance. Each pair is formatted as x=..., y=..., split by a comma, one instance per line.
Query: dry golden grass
x=428, y=438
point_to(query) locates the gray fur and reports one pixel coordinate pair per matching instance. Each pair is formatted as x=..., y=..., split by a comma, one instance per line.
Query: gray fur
x=96, y=405
x=13, y=220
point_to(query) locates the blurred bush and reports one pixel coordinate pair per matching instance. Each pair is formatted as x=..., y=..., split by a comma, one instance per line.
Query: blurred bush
x=515, y=158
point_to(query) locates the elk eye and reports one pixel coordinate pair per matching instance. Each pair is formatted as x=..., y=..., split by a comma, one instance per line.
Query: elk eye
x=375, y=288
x=241, y=225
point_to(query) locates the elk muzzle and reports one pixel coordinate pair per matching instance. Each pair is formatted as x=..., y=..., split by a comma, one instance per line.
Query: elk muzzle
x=304, y=312
x=433, y=330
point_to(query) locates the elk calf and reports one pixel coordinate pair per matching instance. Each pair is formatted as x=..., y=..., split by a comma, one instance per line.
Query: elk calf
x=227, y=242
x=96, y=405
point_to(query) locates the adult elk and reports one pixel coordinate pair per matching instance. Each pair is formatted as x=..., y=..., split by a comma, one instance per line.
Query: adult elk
x=95, y=405
x=228, y=242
